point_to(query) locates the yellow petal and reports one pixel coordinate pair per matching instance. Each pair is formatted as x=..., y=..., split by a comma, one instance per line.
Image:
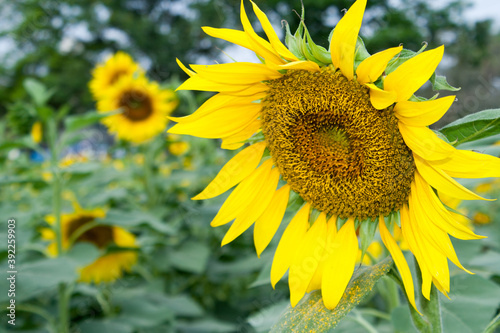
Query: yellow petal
x=259, y=45
x=425, y=143
x=268, y=223
x=306, y=261
x=435, y=236
x=271, y=34
x=469, y=164
x=301, y=64
x=442, y=218
x=239, y=73
x=287, y=247
x=400, y=261
x=444, y=183
x=222, y=123
x=237, y=140
x=196, y=82
x=413, y=73
x=344, y=37
x=381, y=99
x=242, y=195
x=327, y=251
x=338, y=269
x=254, y=209
x=215, y=103
x=374, y=66
x=184, y=68
x=234, y=171
x=422, y=113
x=233, y=36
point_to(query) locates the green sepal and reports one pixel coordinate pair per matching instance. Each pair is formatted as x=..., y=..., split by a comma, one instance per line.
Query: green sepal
x=439, y=83
x=367, y=231
x=415, y=98
x=473, y=127
x=403, y=56
x=310, y=315
x=361, y=53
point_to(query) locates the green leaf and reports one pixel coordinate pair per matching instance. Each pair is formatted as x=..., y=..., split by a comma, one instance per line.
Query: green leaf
x=104, y=326
x=473, y=303
x=473, y=127
x=439, y=83
x=77, y=122
x=35, y=278
x=190, y=257
x=37, y=91
x=135, y=218
x=310, y=315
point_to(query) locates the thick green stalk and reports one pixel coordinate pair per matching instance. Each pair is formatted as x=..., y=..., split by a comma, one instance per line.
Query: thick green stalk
x=148, y=173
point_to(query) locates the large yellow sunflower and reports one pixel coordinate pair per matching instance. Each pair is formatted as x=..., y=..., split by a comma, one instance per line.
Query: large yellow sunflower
x=106, y=268
x=105, y=75
x=350, y=140
x=145, y=108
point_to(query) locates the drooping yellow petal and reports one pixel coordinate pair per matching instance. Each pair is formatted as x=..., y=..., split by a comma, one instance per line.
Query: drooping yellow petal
x=288, y=245
x=237, y=140
x=268, y=223
x=328, y=249
x=381, y=99
x=242, y=195
x=184, y=68
x=338, y=269
x=234, y=171
x=469, y=164
x=239, y=73
x=422, y=113
x=306, y=261
x=230, y=120
x=214, y=103
x=233, y=36
x=435, y=236
x=344, y=37
x=413, y=73
x=271, y=34
x=254, y=209
x=399, y=259
x=444, y=183
x=425, y=143
x=374, y=66
x=440, y=216
x=259, y=45
x=196, y=82
x=301, y=64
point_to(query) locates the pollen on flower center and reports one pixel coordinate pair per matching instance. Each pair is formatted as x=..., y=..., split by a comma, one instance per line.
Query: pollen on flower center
x=100, y=236
x=333, y=147
x=136, y=105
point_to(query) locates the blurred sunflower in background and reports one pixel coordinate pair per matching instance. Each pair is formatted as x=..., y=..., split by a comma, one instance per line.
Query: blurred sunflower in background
x=344, y=131
x=120, y=84
x=80, y=226
x=105, y=75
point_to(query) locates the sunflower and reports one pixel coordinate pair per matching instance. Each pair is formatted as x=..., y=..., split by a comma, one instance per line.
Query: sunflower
x=105, y=75
x=349, y=138
x=106, y=268
x=145, y=108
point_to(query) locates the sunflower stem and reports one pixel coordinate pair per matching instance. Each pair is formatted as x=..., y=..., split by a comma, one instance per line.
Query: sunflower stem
x=57, y=185
x=493, y=325
x=431, y=321
x=392, y=294
x=148, y=174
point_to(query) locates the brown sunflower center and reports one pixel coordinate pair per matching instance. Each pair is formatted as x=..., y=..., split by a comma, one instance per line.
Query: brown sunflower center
x=136, y=105
x=100, y=236
x=333, y=147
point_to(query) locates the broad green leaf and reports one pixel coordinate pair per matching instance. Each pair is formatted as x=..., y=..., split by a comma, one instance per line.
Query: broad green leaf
x=310, y=315
x=76, y=122
x=105, y=326
x=136, y=218
x=35, y=278
x=473, y=303
x=190, y=257
x=439, y=83
x=473, y=127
